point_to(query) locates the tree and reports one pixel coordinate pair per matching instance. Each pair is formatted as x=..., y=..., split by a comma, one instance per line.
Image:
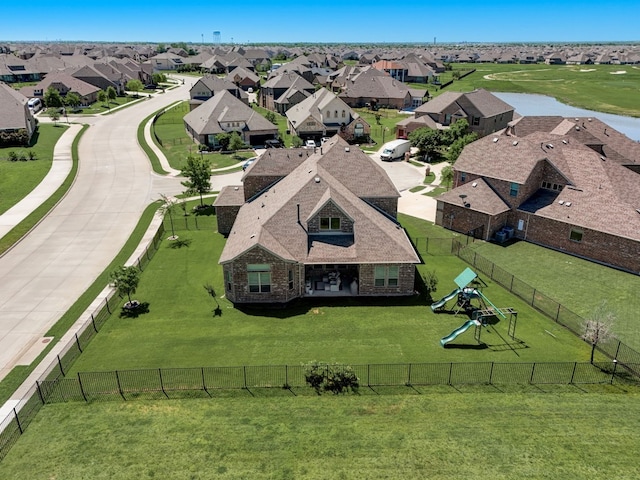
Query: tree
x=223, y=140
x=271, y=116
x=297, y=142
x=235, y=142
x=125, y=281
x=212, y=293
x=447, y=175
x=427, y=140
x=111, y=93
x=73, y=100
x=458, y=145
x=52, y=98
x=135, y=86
x=331, y=378
x=54, y=114
x=169, y=207
x=599, y=327
x=102, y=97
x=159, y=78
x=198, y=174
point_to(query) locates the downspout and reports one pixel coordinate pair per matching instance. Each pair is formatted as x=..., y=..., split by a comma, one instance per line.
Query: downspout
x=488, y=229
x=526, y=229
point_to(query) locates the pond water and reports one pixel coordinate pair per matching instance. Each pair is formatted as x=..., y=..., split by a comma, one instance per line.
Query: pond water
x=528, y=104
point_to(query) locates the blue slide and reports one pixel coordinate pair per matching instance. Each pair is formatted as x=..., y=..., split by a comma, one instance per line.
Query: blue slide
x=440, y=303
x=452, y=336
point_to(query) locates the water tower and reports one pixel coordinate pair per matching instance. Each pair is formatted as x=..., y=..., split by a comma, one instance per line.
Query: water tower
x=216, y=38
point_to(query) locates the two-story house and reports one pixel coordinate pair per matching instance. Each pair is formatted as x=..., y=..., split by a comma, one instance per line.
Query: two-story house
x=484, y=112
x=313, y=224
x=283, y=91
x=567, y=184
x=323, y=114
x=17, y=123
x=209, y=85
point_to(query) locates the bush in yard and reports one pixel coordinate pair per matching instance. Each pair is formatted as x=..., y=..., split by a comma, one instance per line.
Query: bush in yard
x=334, y=378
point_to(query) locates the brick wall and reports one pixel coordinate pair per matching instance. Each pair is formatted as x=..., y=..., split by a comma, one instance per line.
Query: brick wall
x=330, y=210
x=386, y=204
x=256, y=183
x=599, y=246
x=226, y=216
x=280, y=292
x=406, y=279
x=464, y=220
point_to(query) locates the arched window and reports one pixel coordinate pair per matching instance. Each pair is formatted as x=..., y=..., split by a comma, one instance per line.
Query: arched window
x=344, y=114
x=328, y=114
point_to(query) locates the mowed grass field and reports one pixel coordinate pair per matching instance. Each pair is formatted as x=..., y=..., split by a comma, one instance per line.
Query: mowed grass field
x=180, y=330
x=19, y=178
x=576, y=283
x=534, y=434
x=603, y=88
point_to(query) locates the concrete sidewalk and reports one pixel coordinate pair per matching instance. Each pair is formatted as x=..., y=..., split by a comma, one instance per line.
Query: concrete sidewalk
x=60, y=168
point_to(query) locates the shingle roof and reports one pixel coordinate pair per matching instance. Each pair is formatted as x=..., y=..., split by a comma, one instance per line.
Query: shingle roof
x=478, y=196
x=13, y=108
x=276, y=219
x=230, y=196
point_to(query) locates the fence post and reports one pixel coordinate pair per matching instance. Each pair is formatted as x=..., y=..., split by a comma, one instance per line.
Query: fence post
x=244, y=374
x=493, y=265
x=533, y=369
x=18, y=421
x=475, y=254
x=491, y=374
x=120, y=386
x=615, y=367
x=162, y=383
x=558, y=312
x=369, y=375
x=78, y=343
x=575, y=365
x=617, y=351
x=93, y=322
x=409, y=376
x=450, y=371
x=204, y=384
x=286, y=375
x=40, y=391
x=106, y=300
x=533, y=298
x=60, y=365
x=81, y=388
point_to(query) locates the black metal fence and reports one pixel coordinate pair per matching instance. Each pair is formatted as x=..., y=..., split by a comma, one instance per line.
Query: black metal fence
x=131, y=384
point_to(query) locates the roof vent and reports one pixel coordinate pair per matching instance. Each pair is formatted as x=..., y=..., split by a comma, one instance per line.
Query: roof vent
x=603, y=159
x=317, y=179
x=236, y=188
x=567, y=204
x=346, y=149
x=549, y=145
x=495, y=139
x=561, y=202
x=515, y=142
x=577, y=128
x=474, y=184
x=588, y=119
x=565, y=142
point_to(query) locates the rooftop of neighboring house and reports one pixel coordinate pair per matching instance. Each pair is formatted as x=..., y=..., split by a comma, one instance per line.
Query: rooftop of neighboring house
x=12, y=106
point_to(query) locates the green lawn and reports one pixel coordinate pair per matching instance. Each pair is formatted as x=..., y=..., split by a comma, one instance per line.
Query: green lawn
x=177, y=145
x=454, y=435
x=281, y=121
x=180, y=330
x=100, y=107
x=383, y=129
x=17, y=179
x=596, y=87
x=578, y=284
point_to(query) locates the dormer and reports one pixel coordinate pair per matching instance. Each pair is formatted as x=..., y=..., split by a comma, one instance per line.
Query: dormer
x=328, y=218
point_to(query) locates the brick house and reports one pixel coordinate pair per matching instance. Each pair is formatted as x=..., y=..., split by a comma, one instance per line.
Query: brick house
x=283, y=91
x=568, y=184
x=307, y=224
x=323, y=114
x=375, y=87
x=209, y=85
x=16, y=116
x=485, y=113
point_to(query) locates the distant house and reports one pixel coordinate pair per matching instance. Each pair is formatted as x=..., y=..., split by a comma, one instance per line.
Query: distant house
x=564, y=183
x=375, y=88
x=485, y=113
x=244, y=78
x=320, y=224
x=15, y=118
x=167, y=61
x=283, y=91
x=323, y=114
x=64, y=84
x=210, y=85
x=224, y=113
x=14, y=69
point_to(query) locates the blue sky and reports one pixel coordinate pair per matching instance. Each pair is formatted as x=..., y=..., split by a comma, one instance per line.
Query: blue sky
x=362, y=21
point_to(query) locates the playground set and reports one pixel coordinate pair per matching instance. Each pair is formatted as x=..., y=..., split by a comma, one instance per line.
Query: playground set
x=467, y=292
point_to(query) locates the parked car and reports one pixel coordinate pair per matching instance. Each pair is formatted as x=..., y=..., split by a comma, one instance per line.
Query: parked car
x=248, y=163
x=273, y=144
x=310, y=144
x=395, y=150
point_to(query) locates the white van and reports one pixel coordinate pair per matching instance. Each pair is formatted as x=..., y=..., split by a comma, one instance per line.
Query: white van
x=395, y=149
x=35, y=105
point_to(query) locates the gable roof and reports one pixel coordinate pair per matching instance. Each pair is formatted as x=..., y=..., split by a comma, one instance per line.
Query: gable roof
x=276, y=220
x=224, y=107
x=13, y=108
x=314, y=105
x=478, y=195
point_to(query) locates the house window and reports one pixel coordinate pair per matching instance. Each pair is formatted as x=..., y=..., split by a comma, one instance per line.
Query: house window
x=358, y=131
x=335, y=114
x=513, y=191
x=228, y=280
x=463, y=176
x=344, y=114
x=290, y=279
x=476, y=121
x=386, y=276
x=259, y=276
x=329, y=223
x=575, y=235
x=328, y=114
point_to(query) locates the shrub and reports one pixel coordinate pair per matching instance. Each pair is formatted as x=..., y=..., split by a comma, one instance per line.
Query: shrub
x=334, y=378
x=13, y=156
